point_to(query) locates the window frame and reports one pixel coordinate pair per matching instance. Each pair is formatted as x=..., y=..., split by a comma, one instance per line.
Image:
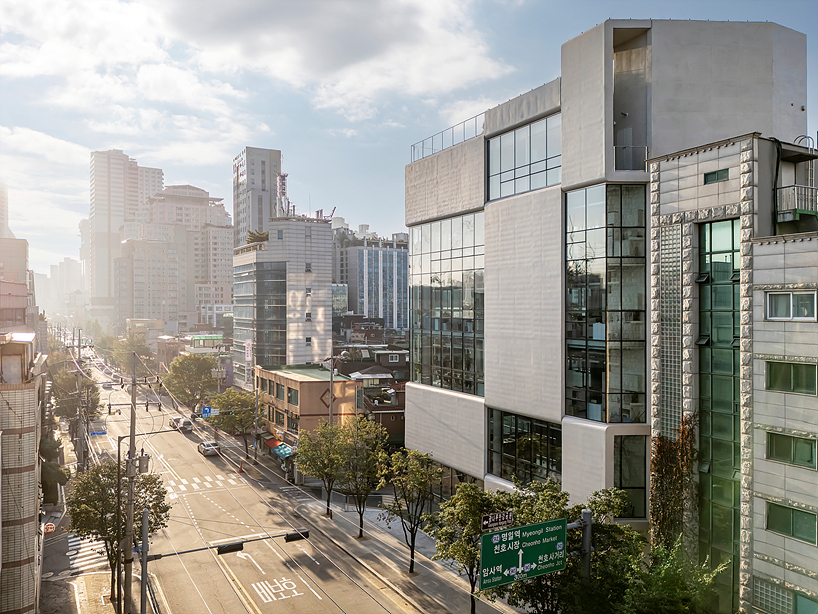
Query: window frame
x=791, y=461
x=767, y=384
x=394, y=358
x=770, y=504
x=292, y=395
x=791, y=317
x=719, y=176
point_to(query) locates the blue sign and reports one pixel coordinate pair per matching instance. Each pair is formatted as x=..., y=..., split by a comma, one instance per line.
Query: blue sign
x=99, y=433
x=205, y=411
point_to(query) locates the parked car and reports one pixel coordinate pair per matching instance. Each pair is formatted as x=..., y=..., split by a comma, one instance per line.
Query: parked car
x=183, y=425
x=208, y=448
x=107, y=385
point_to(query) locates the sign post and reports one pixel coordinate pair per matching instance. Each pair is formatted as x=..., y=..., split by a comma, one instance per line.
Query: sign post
x=206, y=411
x=524, y=552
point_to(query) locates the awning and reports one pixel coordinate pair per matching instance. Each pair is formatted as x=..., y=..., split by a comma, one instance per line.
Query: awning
x=283, y=450
x=271, y=442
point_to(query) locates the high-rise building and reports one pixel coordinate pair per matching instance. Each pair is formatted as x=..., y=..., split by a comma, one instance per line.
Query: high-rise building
x=608, y=253
x=5, y=231
x=259, y=191
x=118, y=187
x=376, y=271
x=22, y=411
x=176, y=259
x=282, y=297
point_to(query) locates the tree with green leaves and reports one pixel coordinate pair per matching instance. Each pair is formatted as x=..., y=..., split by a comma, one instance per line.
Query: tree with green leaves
x=236, y=413
x=92, y=502
x=457, y=529
x=412, y=476
x=365, y=441
x=124, y=350
x=63, y=374
x=190, y=378
x=53, y=476
x=321, y=455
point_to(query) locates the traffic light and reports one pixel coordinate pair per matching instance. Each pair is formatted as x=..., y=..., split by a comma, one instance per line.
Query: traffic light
x=294, y=537
x=121, y=383
x=227, y=548
x=109, y=409
x=147, y=406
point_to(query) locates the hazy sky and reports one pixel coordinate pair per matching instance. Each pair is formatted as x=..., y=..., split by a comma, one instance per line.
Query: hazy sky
x=342, y=87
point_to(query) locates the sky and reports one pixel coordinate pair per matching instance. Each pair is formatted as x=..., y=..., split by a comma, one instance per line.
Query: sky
x=342, y=87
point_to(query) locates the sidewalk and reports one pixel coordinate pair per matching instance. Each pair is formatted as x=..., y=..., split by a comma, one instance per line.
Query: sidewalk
x=433, y=587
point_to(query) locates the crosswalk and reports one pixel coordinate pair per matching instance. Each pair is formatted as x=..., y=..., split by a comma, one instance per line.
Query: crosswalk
x=297, y=493
x=184, y=486
x=85, y=553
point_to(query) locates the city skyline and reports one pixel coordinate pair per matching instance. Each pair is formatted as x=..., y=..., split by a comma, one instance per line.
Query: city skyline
x=342, y=93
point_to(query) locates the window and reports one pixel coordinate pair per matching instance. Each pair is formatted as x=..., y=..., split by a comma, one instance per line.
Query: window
x=791, y=450
x=716, y=176
x=630, y=464
x=280, y=392
x=280, y=418
x=525, y=159
x=292, y=396
x=308, y=317
x=309, y=291
x=798, y=524
x=292, y=423
x=308, y=340
x=308, y=267
x=280, y=234
x=791, y=306
x=394, y=358
x=791, y=377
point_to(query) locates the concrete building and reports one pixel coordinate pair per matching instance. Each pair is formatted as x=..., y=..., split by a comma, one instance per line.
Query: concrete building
x=282, y=297
x=118, y=187
x=376, y=272
x=5, y=231
x=176, y=259
x=259, y=191
x=22, y=389
x=552, y=190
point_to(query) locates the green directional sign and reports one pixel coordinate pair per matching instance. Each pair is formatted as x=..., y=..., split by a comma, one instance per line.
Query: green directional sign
x=522, y=552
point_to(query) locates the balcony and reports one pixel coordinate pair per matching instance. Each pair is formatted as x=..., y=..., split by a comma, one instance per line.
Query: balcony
x=630, y=157
x=449, y=137
x=796, y=199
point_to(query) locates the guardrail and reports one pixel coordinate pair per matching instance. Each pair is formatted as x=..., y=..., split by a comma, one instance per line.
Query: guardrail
x=802, y=197
x=449, y=137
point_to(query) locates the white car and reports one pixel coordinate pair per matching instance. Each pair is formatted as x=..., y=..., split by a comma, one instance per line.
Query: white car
x=182, y=424
x=208, y=448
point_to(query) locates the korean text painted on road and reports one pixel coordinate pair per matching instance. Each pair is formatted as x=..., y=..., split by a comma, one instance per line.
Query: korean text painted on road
x=522, y=552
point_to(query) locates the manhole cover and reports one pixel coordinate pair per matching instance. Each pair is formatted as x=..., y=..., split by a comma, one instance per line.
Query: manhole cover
x=71, y=553
x=48, y=574
x=67, y=572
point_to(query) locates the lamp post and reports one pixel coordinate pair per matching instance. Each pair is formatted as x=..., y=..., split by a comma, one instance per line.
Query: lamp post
x=332, y=360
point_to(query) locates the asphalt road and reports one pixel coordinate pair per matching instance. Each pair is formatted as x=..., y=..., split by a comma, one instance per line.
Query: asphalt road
x=213, y=504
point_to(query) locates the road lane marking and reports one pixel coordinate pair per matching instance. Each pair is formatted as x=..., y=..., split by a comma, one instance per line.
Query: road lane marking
x=208, y=484
x=232, y=539
x=208, y=478
x=219, y=476
x=249, y=604
x=231, y=482
x=196, y=487
x=197, y=480
x=180, y=487
x=185, y=482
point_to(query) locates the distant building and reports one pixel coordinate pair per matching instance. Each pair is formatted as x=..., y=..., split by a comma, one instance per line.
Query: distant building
x=5, y=231
x=376, y=272
x=22, y=412
x=259, y=191
x=282, y=297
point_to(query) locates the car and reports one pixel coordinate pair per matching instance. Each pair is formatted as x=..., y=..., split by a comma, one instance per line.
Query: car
x=208, y=448
x=107, y=385
x=182, y=425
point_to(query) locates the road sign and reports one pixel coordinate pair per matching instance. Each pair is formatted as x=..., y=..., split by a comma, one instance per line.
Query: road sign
x=520, y=553
x=50, y=527
x=98, y=433
x=206, y=411
x=497, y=520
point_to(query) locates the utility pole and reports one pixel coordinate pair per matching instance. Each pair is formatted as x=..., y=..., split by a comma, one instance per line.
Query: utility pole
x=144, y=600
x=255, y=423
x=127, y=544
x=80, y=448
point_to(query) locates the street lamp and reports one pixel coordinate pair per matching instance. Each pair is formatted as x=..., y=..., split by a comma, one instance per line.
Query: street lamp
x=333, y=360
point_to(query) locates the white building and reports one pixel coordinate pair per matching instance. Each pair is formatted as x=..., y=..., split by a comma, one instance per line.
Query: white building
x=259, y=191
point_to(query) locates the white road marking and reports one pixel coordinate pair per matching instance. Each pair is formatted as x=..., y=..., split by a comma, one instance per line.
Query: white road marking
x=185, y=482
x=197, y=480
x=219, y=476
x=196, y=487
x=182, y=487
x=208, y=484
x=231, y=482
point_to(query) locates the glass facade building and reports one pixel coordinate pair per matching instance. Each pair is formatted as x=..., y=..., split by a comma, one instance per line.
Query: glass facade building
x=719, y=403
x=383, y=287
x=260, y=305
x=524, y=448
x=605, y=303
x=447, y=303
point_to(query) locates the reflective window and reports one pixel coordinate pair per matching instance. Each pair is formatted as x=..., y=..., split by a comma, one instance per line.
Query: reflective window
x=630, y=474
x=791, y=377
x=525, y=159
x=791, y=450
x=795, y=523
x=446, y=303
x=524, y=448
x=791, y=305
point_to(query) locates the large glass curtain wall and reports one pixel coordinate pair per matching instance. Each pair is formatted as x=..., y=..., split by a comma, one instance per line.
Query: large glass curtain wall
x=526, y=159
x=719, y=403
x=260, y=313
x=447, y=303
x=605, y=303
x=524, y=448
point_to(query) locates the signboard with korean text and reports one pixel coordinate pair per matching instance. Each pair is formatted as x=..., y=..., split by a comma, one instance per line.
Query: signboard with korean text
x=497, y=520
x=248, y=350
x=520, y=553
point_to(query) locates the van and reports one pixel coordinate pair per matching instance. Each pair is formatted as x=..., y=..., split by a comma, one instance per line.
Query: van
x=183, y=425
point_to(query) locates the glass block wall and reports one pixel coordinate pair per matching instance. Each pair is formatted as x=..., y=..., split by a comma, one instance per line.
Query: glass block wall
x=605, y=303
x=447, y=306
x=670, y=303
x=719, y=404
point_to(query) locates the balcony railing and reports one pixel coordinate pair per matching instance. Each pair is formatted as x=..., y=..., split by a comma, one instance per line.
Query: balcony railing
x=630, y=157
x=802, y=197
x=455, y=135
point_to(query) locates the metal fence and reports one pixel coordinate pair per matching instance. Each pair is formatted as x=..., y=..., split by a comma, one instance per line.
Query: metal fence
x=455, y=135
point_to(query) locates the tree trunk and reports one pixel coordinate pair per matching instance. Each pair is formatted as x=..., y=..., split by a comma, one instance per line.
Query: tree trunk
x=361, y=523
x=246, y=450
x=473, y=581
x=329, y=496
x=412, y=553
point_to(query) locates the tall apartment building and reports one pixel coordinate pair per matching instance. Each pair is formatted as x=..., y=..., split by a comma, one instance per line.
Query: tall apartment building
x=259, y=191
x=176, y=259
x=376, y=272
x=22, y=390
x=5, y=231
x=118, y=187
x=643, y=183
x=282, y=297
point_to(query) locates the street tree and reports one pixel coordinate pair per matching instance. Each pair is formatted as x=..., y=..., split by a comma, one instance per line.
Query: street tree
x=412, y=476
x=63, y=373
x=457, y=529
x=321, y=455
x=365, y=441
x=124, y=350
x=91, y=504
x=53, y=476
x=190, y=378
x=236, y=413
